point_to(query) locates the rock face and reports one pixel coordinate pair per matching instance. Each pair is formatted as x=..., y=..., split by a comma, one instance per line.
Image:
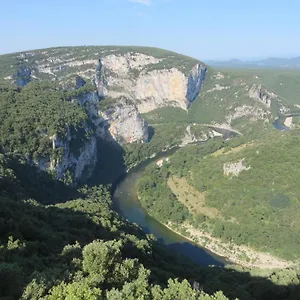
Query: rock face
x=22, y=77
x=132, y=80
x=288, y=122
x=195, y=81
x=150, y=81
x=263, y=96
x=253, y=112
x=80, y=162
x=161, y=88
x=132, y=77
x=79, y=82
x=125, y=123
x=235, y=168
x=147, y=81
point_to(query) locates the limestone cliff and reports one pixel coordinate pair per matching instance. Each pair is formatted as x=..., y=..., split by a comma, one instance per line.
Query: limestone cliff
x=140, y=78
x=125, y=123
x=133, y=80
x=77, y=158
x=262, y=95
x=150, y=80
x=147, y=78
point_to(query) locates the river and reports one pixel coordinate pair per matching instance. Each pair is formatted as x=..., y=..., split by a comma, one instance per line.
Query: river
x=126, y=203
x=279, y=122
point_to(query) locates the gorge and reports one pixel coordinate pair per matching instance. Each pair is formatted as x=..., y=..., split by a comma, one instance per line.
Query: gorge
x=85, y=131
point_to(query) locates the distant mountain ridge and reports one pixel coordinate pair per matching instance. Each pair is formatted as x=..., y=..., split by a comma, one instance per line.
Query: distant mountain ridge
x=271, y=62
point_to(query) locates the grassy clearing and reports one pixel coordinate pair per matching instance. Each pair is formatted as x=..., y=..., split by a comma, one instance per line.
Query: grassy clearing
x=232, y=150
x=191, y=198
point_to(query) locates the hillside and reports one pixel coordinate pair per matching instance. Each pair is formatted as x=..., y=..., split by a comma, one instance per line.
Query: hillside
x=134, y=73
x=73, y=120
x=64, y=59
x=245, y=195
x=61, y=243
x=235, y=98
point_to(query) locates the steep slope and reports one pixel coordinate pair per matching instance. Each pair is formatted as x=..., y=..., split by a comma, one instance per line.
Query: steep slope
x=111, y=85
x=132, y=80
x=238, y=99
x=60, y=243
x=41, y=126
x=80, y=249
x=233, y=196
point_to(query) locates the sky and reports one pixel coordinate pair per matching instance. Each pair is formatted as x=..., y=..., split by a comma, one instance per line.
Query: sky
x=210, y=29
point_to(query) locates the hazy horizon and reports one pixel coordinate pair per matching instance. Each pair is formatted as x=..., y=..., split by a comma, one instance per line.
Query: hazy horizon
x=200, y=58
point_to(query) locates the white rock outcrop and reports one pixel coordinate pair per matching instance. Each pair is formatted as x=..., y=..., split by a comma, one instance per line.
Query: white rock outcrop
x=218, y=87
x=125, y=124
x=81, y=163
x=235, y=168
x=161, y=88
x=288, y=122
x=146, y=86
x=254, y=113
x=257, y=93
x=136, y=77
x=122, y=64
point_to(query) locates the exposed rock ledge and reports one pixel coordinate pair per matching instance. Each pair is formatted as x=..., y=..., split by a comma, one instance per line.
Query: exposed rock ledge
x=235, y=168
x=257, y=93
x=288, y=122
x=137, y=82
x=135, y=77
x=79, y=162
x=125, y=123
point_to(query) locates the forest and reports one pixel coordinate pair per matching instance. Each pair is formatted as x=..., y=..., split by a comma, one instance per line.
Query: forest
x=28, y=116
x=263, y=198
x=59, y=241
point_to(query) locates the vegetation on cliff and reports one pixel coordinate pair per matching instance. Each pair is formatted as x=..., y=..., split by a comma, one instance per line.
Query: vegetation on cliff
x=226, y=92
x=30, y=60
x=30, y=116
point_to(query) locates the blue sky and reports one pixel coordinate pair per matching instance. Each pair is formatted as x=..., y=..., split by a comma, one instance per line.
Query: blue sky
x=210, y=29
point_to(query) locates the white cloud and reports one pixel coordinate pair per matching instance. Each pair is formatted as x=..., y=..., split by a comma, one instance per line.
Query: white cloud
x=145, y=2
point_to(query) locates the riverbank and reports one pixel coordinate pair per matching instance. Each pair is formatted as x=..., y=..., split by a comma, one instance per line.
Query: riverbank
x=239, y=255
x=231, y=253
x=127, y=199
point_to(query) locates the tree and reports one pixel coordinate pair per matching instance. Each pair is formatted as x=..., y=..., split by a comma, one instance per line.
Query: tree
x=99, y=258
